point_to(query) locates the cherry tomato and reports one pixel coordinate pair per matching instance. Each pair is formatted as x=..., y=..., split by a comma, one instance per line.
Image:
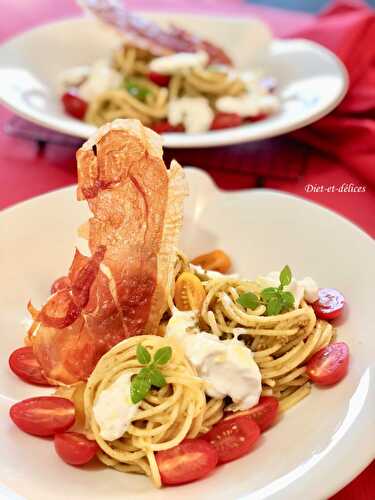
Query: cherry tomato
x=60, y=284
x=329, y=365
x=24, y=364
x=233, y=438
x=74, y=448
x=164, y=126
x=264, y=413
x=226, y=120
x=74, y=105
x=190, y=460
x=159, y=79
x=330, y=303
x=253, y=119
x=217, y=260
x=189, y=293
x=43, y=416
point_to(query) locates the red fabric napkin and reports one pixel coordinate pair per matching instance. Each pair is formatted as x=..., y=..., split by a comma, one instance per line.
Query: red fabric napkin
x=347, y=27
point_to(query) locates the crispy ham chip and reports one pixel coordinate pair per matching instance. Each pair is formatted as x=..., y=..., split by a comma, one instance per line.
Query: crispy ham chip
x=121, y=289
x=147, y=35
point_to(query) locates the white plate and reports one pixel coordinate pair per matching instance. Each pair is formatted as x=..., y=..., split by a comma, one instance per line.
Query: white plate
x=317, y=447
x=312, y=81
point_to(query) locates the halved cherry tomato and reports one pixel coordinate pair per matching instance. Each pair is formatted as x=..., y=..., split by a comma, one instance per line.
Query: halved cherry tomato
x=217, y=260
x=74, y=105
x=159, y=79
x=329, y=365
x=189, y=293
x=233, y=438
x=74, y=448
x=253, y=119
x=330, y=303
x=264, y=413
x=43, y=416
x=24, y=364
x=164, y=126
x=226, y=120
x=60, y=284
x=190, y=460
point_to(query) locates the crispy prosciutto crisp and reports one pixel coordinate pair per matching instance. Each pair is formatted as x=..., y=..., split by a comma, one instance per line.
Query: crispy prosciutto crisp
x=147, y=35
x=120, y=289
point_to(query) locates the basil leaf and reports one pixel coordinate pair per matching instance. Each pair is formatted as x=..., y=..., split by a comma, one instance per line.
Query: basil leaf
x=268, y=293
x=274, y=306
x=145, y=373
x=157, y=378
x=287, y=300
x=136, y=90
x=163, y=355
x=249, y=300
x=143, y=356
x=285, y=276
x=139, y=388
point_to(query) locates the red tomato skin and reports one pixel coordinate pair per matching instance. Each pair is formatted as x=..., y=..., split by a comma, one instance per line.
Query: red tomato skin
x=329, y=365
x=24, y=364
x=163, y=126
x=173, y=473
x=25, y=415
x=74, y=448
x=60, y=284
x=233, y=438
x=74, y=105
x=253, y=119
x=159, y=79
x=226, y=120
x=264, y=413
x=329, y=305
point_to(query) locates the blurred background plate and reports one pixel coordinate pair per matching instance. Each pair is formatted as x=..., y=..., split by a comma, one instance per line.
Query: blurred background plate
x=311, y=80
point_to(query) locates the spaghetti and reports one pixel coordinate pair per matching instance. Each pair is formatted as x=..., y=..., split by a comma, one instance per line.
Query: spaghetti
x=134, y=64
x=165, y=417
x=281, y=344
x=127, y=86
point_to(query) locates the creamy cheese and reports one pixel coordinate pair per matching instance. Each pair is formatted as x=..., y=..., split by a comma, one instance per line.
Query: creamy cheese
x=113, y=410
x=305, y=288
x=194, y=113
x=207, y=274
x=169, y=65
x=227, y=366
x=249, y=105
x=310, y=289
x=181, y=323
x=100, y=79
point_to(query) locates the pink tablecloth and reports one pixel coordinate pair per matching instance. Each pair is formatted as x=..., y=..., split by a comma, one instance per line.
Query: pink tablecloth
x=25, y=173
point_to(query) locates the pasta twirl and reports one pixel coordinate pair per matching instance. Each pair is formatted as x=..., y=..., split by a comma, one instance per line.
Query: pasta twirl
x=282, y=344
x=165, y=417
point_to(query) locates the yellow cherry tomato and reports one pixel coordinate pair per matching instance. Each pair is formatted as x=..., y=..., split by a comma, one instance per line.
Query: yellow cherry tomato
x=189, y=293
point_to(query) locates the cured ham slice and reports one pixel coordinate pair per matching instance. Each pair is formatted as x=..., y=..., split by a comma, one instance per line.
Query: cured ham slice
x=120, y=289
x=145, y=34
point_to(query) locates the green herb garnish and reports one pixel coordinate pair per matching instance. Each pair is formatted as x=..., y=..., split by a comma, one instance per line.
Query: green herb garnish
x=149, y=375
x=276, y=300
x=136, y=90
x=249, y=300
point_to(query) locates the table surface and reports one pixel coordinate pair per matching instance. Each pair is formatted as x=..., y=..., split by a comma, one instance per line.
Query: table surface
x=25, y=171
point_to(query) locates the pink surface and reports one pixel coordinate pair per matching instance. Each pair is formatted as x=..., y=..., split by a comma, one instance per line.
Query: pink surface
x=348, y=159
